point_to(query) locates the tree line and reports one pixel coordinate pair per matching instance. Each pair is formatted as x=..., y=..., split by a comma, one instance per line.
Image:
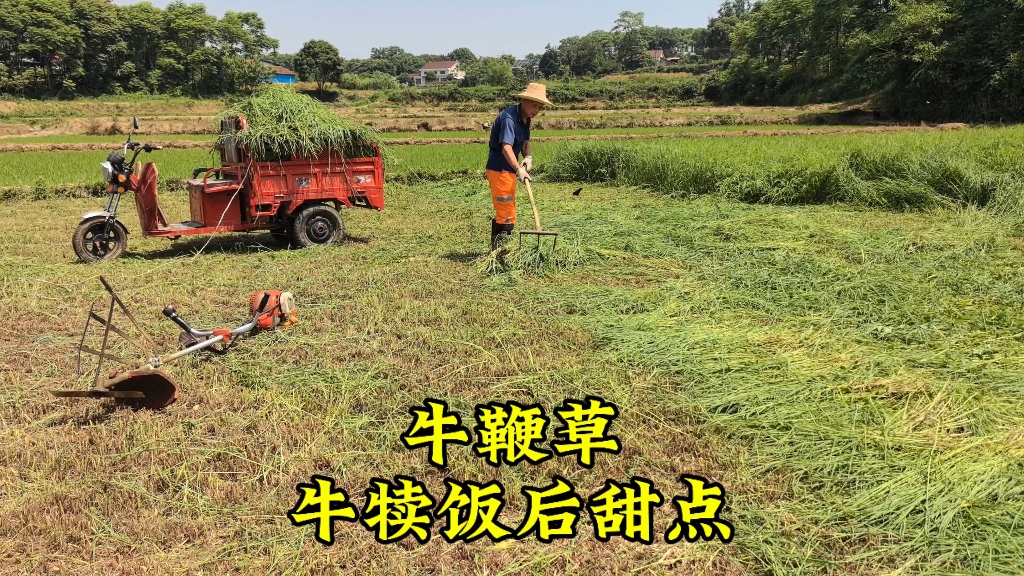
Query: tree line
x=927, y=59
x=951, y=59
x=92, y=47
x=625, y=47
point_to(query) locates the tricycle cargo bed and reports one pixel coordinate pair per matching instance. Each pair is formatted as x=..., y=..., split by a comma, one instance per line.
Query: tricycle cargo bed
x=353, y=182
x=274, y=187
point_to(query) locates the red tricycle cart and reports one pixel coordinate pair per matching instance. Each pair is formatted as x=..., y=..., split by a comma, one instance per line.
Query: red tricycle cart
x=296, y=199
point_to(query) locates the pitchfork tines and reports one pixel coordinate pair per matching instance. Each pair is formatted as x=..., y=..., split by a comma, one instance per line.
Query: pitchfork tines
x=539, y=232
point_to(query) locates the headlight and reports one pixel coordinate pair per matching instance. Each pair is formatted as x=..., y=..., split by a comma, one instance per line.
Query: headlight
x=108, y=172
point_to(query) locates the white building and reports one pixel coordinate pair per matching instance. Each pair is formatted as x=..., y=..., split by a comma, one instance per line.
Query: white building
x=443, y=71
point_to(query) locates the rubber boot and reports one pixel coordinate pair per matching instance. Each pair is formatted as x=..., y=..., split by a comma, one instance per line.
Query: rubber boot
x=499, y=232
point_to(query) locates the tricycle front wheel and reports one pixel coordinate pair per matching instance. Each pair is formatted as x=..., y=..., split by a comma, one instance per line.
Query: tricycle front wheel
x=92, y=245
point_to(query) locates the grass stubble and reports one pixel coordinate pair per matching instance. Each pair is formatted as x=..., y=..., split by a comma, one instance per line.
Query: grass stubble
x=850, y=375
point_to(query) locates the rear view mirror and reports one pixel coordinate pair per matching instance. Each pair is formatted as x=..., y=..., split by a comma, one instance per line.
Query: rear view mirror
x=135, y=122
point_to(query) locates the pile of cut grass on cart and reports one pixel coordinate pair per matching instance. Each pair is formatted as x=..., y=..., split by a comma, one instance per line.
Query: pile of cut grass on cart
x=284, y=124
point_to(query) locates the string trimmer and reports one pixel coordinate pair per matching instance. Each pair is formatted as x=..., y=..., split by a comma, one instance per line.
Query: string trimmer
x=538, y=232
x=143, y=385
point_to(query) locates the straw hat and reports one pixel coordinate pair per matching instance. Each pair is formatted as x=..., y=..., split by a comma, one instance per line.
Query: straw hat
x=536, y=92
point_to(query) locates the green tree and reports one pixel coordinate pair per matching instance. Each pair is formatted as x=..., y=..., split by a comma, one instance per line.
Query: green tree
x=103, y=49
x=402, y=62
x=633, y=51
x=137, y=70
x=490, y=72
x=187, y=29
x=318, y=61
x=40, y=35
x=94, y=46
x=671, y=40
x=926, y=59
x=243, y=44
x=589, y=55
x=286, y=60
x=628, y=22
x=368, y=66
x=716, y=41
x=465, y=56
x=550, y=62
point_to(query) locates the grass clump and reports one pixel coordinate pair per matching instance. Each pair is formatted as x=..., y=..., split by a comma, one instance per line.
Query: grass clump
x=908, y=171
x=285, y=124
x=527, y=257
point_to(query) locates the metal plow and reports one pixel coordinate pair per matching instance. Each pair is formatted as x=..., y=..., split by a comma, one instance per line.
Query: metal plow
x=140, y=385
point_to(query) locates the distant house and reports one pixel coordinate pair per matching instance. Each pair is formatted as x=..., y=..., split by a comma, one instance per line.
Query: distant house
x=661, y=60
x=281, y=75
x=440, y=71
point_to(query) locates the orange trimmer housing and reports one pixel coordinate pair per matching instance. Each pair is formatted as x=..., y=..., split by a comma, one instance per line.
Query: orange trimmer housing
x=278, y=311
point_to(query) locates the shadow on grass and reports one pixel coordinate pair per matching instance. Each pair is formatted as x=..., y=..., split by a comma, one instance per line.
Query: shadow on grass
x=464, y=257
x=227, y=244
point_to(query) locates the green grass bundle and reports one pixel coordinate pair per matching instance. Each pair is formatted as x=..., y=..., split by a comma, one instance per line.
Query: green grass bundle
x=528, y=258
x=284, y=124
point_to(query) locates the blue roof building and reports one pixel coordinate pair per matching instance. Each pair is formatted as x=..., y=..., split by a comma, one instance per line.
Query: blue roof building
x=281, y=75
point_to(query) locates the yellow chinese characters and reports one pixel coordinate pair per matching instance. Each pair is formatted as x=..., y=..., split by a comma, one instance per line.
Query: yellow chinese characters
x=507, y=433
x=586, y=424
x=472, y=511
x=327, y=506
x=700, y=511
x=552, y=512
x=435, y=426
x=625, y=510
x=393, y=512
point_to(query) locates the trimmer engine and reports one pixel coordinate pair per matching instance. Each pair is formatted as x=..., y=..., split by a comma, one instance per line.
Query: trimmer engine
x=279, y=309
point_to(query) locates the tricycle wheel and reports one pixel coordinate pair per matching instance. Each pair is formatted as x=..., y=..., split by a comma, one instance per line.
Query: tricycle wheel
x=91, y=245
x=318, y=224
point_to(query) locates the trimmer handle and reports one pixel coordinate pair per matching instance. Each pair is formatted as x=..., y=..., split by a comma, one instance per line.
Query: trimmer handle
x=171, y=311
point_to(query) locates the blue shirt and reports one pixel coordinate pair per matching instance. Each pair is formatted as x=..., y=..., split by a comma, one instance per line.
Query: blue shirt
x=508, y=128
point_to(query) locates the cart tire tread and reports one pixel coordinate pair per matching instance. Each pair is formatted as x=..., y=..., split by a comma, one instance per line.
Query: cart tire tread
x=88, y=252
x=318, y=225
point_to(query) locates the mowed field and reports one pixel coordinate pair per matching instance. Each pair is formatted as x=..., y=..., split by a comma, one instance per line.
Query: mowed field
x=829, y=326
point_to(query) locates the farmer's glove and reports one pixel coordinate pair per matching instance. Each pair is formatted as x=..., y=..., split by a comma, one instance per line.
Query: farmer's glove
x=523, y=174
x=528, y=162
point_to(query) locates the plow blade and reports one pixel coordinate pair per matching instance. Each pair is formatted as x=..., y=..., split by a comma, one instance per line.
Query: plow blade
x=139, y=390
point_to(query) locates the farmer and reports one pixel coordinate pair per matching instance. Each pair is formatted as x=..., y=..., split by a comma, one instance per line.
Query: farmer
x=510, y=137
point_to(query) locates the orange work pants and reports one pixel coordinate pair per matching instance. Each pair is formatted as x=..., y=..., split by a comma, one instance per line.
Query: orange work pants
x=503, y=196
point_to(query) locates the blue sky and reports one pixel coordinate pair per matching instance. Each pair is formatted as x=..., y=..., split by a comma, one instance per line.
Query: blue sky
x=487, y=28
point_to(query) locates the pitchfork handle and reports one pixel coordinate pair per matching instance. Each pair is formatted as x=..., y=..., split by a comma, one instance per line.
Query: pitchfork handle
x=536, y=216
